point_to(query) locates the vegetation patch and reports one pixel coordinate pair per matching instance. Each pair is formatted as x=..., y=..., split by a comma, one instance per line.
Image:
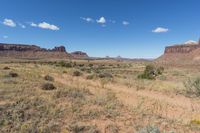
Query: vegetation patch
x=112, y=128
x=78, y=128
x=6, y=68
x=149, y=129
x=105, y=75
x=77, y=73
x=13, y=74
x=90, y=77
x=29, y=115
x=64, y=64
x=48, y=86
x=73, y=93
x=192, y=87
x=49, y=78
x=151, y=72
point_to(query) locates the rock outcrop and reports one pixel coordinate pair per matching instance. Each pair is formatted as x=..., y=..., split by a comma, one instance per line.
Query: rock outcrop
x=181, y=48
x=79, y=54
x=183, y=53
x=31, y=51
x=59, y=49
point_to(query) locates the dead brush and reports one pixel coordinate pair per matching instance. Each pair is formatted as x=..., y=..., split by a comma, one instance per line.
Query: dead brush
x=48, y=86
x=13, y=74
x=49, y=78
x=6, y=68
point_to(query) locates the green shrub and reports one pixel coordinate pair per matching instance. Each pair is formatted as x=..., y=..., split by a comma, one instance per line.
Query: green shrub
x=65, y=64
x=192, y=87
x=160, y=70
x=151, y=72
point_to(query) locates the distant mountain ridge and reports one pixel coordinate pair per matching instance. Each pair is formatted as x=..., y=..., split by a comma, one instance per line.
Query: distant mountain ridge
x=34, y=51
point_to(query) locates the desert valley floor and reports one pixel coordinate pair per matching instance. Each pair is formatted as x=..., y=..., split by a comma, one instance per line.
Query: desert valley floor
x=96, y=96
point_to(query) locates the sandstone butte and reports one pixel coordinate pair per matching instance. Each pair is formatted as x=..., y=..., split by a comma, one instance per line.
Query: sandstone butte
x=181, y=54
x=34, y=51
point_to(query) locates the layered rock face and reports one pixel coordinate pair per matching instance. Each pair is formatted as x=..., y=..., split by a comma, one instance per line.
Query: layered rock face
x=79, y=54
x=23, y=48
x=59, y=49
x=181, y=48
x=31, y=51
x=184, y=53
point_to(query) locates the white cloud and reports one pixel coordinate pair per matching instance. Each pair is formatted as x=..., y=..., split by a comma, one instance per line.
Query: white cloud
x=9, y=22
x=22, y=26
x=5, y=37
x=33, y=24
x=45, y=25
x=160, y=30
x=125, y=23
x=101, y=20
x=87, y=19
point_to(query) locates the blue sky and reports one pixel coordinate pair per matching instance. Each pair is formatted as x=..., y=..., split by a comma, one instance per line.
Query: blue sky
x=129, y=28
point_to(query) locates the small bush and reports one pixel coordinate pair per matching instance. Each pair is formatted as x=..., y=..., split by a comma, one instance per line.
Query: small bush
x=48, y=78
x=160, y=70
x=13, y=74
x=89, y=77
x=90, y=65
x=192, y=87
x=81, y=65
x=65, y=64
x=151, y=72
x=77, y=73
x=105, y=75
x=6, y=68
x=48, y=86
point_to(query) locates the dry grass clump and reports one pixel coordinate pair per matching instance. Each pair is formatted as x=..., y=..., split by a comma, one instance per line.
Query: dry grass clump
x=64, y=64
x=192, y=87
x=78, y=128
x=149, y=129
x=110, y=104
x=48, y=86
x=49, y=78
x=73, y=93
x=77, y=73
x=29, y=115
x=90, y=77
x=111, y=128
x=105, y=75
